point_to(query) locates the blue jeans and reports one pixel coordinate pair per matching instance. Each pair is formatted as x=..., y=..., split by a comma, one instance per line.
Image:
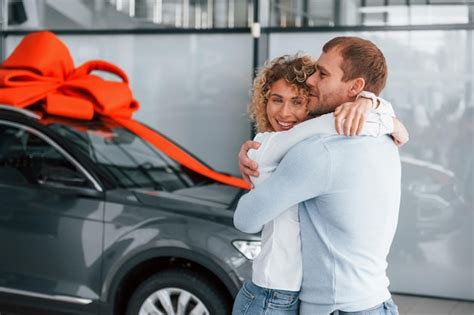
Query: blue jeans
x=255, y=300
x=386, y=308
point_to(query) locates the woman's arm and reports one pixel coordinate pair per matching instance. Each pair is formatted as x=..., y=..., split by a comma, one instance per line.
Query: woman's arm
x=377, y=122
x=390, y=124
x=352, y=118
x=400, y=133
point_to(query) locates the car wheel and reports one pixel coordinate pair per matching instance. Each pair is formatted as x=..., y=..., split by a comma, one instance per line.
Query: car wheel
x=177, y=292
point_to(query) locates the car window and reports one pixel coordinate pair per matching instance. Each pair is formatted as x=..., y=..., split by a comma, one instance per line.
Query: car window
x=26, y=158
x=129, y=159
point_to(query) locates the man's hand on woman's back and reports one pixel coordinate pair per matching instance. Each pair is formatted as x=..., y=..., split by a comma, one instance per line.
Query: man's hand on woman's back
x=247, y=166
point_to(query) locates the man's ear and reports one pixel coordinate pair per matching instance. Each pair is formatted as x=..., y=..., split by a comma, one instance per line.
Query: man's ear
x=357, y=86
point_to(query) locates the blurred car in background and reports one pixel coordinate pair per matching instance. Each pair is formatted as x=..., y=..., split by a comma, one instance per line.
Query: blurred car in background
x=95, y=220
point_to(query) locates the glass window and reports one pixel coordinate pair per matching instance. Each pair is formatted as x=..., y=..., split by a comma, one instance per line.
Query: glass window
x=285, y=13
x=209, y=14
x=129, y=14
x=25, y=158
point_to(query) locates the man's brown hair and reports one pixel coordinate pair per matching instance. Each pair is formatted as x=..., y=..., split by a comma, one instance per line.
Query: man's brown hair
x=361, y=58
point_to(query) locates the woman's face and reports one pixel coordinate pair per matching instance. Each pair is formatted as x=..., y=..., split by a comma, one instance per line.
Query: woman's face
x=285, y=107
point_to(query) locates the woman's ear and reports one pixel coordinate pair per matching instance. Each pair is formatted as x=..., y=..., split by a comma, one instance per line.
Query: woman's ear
x=357, y=86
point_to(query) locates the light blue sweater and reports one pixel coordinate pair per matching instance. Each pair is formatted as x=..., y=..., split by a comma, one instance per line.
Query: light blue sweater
x=349, y=195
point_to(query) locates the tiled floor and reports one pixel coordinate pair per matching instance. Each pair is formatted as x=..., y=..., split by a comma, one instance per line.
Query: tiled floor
x=411, y=305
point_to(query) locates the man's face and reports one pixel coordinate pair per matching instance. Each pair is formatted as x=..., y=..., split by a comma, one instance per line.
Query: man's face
x=327, y=88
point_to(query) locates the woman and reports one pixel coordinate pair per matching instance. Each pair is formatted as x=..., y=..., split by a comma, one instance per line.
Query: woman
x=279, y=110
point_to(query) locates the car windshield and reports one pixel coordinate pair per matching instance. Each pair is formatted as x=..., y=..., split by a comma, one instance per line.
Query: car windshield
x=132, y=161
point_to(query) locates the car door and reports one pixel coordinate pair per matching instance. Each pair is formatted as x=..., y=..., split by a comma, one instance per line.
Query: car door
x=51, y=224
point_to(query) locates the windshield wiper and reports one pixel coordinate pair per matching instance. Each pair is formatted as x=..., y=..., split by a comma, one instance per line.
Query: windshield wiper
x=145, y=167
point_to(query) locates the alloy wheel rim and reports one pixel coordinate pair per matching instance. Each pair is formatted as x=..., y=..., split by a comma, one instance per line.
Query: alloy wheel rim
x=173, y=301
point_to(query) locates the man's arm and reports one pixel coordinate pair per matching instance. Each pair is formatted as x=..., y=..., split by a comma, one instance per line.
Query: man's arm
x=247, y=166
x=272, y=151
x=303, y=174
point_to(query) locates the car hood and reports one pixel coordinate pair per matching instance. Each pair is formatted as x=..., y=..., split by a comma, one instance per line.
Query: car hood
x=211, y=201
x=223, y=195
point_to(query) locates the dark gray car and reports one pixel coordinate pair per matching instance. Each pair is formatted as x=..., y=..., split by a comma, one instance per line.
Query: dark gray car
x=94, y=220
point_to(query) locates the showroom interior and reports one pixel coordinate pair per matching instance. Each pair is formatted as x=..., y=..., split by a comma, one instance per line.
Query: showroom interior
x=190, y=66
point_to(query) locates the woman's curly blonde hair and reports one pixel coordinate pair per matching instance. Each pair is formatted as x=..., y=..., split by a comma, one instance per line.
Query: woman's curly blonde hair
x=295, y=69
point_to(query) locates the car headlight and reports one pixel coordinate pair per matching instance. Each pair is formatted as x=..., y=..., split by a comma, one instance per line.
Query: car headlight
x=250, y=249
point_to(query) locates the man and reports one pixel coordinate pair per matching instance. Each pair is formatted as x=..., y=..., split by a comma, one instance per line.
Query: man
x=348, y=190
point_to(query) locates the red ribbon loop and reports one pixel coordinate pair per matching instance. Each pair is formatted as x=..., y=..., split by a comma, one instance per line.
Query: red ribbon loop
x=100, y=65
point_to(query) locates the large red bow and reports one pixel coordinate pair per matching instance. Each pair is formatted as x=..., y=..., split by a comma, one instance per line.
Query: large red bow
x=41, y=69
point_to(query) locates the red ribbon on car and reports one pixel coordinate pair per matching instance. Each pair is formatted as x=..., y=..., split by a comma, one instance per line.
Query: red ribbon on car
x=41, y=70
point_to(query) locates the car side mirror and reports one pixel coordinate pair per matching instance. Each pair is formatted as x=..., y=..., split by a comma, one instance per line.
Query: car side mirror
x=61, y=176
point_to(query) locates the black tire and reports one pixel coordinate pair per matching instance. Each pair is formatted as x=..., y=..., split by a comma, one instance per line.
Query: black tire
x=201, y=288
